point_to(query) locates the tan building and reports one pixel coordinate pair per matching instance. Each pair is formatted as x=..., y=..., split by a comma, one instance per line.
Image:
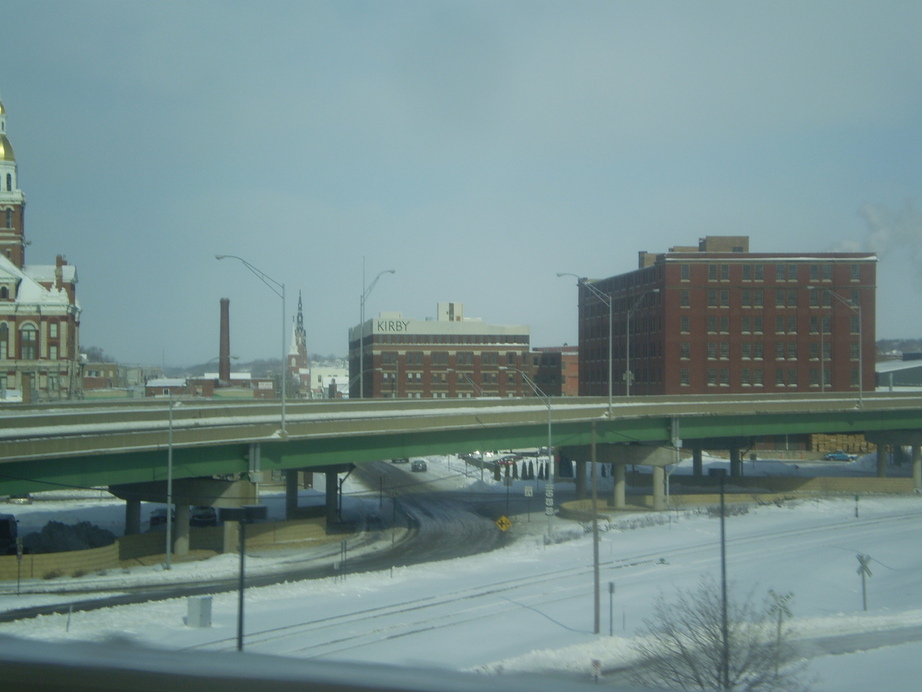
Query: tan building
x=448, y=357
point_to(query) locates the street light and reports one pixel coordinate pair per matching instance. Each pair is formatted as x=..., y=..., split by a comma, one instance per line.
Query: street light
x=607, y=301
x=851, y=305
x=549, y=483
x=278, y=289
x=628, y=375
x=365, y=292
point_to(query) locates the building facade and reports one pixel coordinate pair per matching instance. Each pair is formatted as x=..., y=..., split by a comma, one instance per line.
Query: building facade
x=449, y=357
x=39, y=313
x=717, y=319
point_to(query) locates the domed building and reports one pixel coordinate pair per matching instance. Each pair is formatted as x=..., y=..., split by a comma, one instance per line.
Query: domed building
x=39, y=313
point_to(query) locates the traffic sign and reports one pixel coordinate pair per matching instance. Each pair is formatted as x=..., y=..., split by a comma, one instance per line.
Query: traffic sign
x=503, y=523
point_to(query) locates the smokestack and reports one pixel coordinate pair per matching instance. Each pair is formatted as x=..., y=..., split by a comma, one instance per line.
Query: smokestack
x=224, y=348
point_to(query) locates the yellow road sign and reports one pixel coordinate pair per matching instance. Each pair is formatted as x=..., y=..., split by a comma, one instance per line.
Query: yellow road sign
x=503, y=523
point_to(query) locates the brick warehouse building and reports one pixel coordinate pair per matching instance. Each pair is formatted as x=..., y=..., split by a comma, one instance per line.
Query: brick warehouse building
x=717, y=319
x=449, y=357
x=39, y=313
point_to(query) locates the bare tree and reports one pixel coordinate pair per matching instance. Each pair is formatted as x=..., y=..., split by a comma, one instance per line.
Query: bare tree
x=681, y=645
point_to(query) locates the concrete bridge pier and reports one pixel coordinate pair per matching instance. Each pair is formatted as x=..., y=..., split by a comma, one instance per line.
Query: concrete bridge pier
x=881, y=461
x=181, y=530
x=736, y=464
x=917, y=467
x=332, y=495
x=132, y=517
x=581, y=476
x=697, y=463
x=659, y=488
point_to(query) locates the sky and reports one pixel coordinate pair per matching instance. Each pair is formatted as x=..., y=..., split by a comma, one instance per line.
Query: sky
x=476, y=148
x=528, y=607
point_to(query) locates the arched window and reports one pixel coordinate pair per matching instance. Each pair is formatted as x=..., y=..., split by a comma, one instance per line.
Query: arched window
x=28, y=342
x=9, y=182
x=9, y=218
x=4, y=340
x=4, y=293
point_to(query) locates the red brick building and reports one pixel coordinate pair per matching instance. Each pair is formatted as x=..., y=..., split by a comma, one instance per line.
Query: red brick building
x=717, y=319
x=39, y=313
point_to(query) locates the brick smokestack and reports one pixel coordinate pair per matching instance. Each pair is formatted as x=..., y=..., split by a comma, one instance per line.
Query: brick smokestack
x=224, y=348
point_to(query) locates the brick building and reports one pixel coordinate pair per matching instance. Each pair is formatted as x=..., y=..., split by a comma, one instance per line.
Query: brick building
x=717, y=319
x=448, y=357
x=39, y=313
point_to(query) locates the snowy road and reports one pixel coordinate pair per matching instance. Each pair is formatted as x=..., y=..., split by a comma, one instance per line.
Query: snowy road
x=529, y=605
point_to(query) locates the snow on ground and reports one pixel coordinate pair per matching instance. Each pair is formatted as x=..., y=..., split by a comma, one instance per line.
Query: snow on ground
x=528, y=607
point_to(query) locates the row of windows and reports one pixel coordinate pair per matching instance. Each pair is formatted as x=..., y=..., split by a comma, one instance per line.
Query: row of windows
x=755, y=298
x=781, y=272
x=755, y=377
x=451, y=338
x=441, y=358
x=756, y=324
x=755, y=350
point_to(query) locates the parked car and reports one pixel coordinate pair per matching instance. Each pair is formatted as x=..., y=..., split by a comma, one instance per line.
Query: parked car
x=508, y=459
x=158, y=518
x=24, y=499
x=401, y=460
x=418, y=465
x=203, y=516
x=839, y=455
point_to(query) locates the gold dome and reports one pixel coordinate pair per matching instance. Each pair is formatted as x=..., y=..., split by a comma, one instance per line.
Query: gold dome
x=6, y=149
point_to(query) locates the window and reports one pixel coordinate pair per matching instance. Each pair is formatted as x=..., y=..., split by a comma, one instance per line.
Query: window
x=724, y=377
x=814, y=351
x=747, y=272
x=4, y=340
x=779, y=298
x=758, y=377
x=685, y=350
x=4, y=293
x=712, y=350
x=757, y=298
x=814, y=325
x=724, y=350
x=684, y=272
x=757, y=324
x=779, y=351
x=814, y=272
x=712, y=272
x=414, y=358
x=792, y=298
x=792, y=377
x=9, y=182
x=757, y=350
x=9, y=218
x=745, y=325
x=684, y=298
x=724, y=272
x=856, y=272
x=746, y=377
x=779, y=325
x=746, y=298
x=683, y=324
x=724, y=298
x=28, y=343
x=724, y=325
x=439, y=358
x=746, y=350
x=792, y=324
x=827, y=272
x=779, y=272
x=712, y=325
x=712, y=298
x=53, y=330
x=758, y=272
x=792, y=350
x=684, y=378
x=779, y=377
x=489, y=358
x=712, y=377
x=855, y=326
x=465, y=358
x=53, y=352
x=510, y=358
x=853, y=351
x=792, y=272
x=814, y=299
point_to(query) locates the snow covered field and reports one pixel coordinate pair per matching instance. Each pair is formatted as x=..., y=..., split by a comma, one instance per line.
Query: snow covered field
x=529, y=606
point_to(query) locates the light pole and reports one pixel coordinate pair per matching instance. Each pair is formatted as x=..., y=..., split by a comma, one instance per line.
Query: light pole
x=169, y=491
x=628, y=375
x=365, y=292
x=549, y=483
x=607, y=301
x=856, y=307
x=278, y=289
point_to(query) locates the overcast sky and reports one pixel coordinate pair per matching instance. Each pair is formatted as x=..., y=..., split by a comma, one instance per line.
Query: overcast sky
x=477, y=148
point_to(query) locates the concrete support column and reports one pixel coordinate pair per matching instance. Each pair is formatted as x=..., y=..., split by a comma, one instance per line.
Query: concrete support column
x=231, y=538
x=736, y=465
x=697, y=463
x=917, y=467
x=659, y=488
x=181, y=530
x=132, y=517
x=881, y=461
x=291, y=492
x=332, y=491
x=581, y=475
x=620, y=485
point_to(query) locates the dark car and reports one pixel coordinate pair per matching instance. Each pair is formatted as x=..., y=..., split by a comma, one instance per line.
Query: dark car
x=839, y=455
x=418, y=465
x=158, y=518
x=203, y=516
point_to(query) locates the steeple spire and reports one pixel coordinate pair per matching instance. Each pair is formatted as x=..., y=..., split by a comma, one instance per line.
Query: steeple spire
x=12, y=201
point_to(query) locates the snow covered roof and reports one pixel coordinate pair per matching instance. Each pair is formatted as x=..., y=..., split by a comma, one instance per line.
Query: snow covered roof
x=29, y=290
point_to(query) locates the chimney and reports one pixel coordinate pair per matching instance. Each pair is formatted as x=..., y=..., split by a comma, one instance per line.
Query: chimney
x=59, y=272
x=224, y=348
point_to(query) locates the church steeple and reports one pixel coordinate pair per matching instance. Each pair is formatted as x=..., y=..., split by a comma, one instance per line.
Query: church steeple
x=298, y=364
x=12, y=201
